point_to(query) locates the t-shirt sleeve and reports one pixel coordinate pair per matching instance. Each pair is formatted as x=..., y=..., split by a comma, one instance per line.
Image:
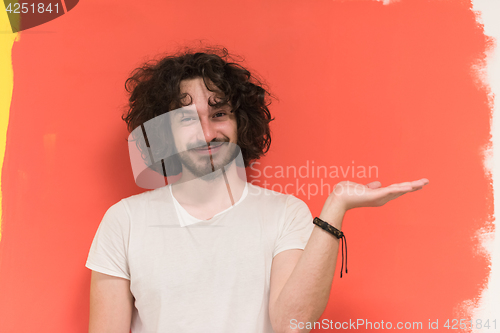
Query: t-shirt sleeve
x=108, y=252
x=296, y=226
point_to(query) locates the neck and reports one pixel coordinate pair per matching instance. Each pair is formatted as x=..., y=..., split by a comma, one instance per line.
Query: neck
x=222, y=188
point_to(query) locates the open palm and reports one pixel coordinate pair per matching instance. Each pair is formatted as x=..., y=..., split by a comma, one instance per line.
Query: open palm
x=352, y=195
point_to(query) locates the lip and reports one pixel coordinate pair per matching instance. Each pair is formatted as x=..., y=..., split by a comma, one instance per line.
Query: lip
x=208, y=149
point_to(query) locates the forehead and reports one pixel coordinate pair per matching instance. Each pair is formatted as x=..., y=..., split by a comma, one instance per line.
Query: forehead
x=198, y=86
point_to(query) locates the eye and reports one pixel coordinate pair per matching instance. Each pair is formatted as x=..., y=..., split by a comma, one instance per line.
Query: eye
x=188, y=121
x=219, y=114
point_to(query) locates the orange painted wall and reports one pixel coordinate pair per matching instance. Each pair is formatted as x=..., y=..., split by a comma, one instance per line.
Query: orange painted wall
x=387, y=86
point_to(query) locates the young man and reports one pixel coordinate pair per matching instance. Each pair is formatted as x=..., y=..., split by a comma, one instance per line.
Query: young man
x=210, y=252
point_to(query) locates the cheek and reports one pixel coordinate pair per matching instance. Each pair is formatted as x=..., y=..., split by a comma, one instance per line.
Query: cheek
x=176, y=146
x=179, y=141
x=183, y=136
x=234, y=130
x=227, y=129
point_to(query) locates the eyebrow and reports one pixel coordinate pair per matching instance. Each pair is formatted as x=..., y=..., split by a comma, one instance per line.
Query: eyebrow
x=219, y=105
x=184, y=113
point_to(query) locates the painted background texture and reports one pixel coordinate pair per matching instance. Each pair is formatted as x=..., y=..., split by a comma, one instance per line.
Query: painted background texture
x=358, y=83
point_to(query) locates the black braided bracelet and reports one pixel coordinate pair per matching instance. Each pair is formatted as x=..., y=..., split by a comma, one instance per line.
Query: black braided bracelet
x=337, y=233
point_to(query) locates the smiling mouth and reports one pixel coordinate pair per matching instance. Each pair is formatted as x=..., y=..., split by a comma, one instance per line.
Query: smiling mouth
x=211, y=149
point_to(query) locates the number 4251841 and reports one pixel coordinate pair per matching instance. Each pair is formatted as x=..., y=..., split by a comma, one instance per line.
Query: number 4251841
x=18, y=8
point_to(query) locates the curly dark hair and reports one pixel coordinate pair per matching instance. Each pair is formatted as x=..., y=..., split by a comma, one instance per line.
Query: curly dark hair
x=154, y=89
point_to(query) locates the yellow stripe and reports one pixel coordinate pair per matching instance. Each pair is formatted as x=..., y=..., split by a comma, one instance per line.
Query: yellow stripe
x=7, y=39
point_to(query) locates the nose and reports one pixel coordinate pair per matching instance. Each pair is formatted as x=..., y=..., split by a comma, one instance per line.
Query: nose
x=209, y=130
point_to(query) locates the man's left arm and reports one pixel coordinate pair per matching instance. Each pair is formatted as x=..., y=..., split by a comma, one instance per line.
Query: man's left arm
x=301, y=280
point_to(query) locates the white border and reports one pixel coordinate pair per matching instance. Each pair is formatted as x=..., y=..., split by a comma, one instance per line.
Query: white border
x=488, y=305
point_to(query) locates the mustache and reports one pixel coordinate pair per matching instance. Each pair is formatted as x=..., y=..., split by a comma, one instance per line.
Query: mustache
x=203, y=144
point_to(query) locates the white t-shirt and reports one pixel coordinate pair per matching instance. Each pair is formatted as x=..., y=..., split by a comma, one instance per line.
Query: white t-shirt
x=186, y=219
x=206, y=276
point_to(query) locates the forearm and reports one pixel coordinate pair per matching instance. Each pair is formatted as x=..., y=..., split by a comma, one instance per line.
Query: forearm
x=305, y=294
